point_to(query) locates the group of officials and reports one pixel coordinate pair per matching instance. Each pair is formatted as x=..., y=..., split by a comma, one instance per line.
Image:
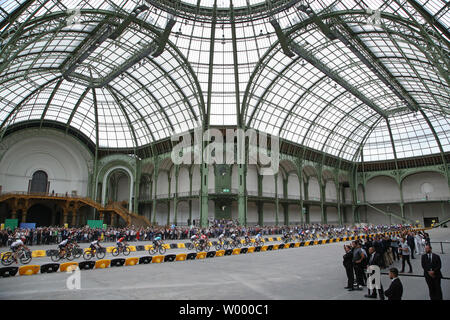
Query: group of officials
x=358, y=259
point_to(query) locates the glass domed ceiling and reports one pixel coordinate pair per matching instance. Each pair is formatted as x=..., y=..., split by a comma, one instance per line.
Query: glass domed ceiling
x=377, y=91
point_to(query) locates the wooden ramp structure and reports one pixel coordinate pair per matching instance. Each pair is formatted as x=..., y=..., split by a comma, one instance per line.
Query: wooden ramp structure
x=69, y=204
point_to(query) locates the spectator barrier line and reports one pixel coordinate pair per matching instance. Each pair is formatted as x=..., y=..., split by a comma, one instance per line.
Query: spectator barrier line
x=132, y=261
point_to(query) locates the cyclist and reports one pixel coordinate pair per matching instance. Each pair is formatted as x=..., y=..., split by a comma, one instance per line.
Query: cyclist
x=194, y=238
x=203, y=240
x=258, y=238
x=286, y=236
x=157, y=241
x=247, y=238
x=95, y=244
x=234, y=238
x=120, y=242
x=221, y=238
x=62, y=246
x=17, y=245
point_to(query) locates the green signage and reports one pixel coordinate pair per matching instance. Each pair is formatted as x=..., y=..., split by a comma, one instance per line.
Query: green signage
x=95, y=224
x=225, y=190
x=11, y=223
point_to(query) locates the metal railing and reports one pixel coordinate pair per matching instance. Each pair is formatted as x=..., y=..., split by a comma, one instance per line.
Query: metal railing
x=441, y=245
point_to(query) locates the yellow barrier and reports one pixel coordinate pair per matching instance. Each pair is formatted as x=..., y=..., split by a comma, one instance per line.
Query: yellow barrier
x=132, y=248
x=297, y=244
x=109, y=249
x=264, y=248
x=181, y=257
x=275, y=247
x=307, y=243
x=131, y=261
x=316, y=242
x=38, y=253
x=279, y=238
x=270, y=239
x=157, y=259
x=236, y=251
x=29, y=270
x=220, y=253
x=166, y=245
x=251, y=250
x=201, y=255
x=68, y=266
x=324, y=241
x=286, y=246
x=148, y=247
x=102, y=264
x=181, y=245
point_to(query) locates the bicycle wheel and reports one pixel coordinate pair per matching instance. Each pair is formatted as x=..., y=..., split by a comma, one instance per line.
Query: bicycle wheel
x=190, y=246
x=69, y=255
x=162, y=250
x=7, y=259
x=126, y=251
x=55, y=257
x=115, y=252
x=198, y=248
x=26, y=257
x=152, y=250
x=87, y=255
x=77, y=253
x=218, y=247
x=100, y=254
x=207, y=247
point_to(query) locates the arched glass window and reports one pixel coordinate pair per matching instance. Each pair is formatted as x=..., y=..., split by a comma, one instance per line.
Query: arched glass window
x=39, y=182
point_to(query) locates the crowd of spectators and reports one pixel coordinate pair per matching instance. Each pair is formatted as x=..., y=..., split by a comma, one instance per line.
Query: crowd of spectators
x=382, y=251
x=54, y=235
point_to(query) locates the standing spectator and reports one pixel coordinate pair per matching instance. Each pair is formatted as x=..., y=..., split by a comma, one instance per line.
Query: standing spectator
x=419, y=244
x=406, y=251
x=395, y=290
x=411, y=243
x=375, y=260
x=348, y=265
x=358, y=257
x=394, y=246
x=431, y=264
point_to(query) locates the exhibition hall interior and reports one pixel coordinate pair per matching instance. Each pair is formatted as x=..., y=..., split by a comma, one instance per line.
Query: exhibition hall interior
x=304, y=125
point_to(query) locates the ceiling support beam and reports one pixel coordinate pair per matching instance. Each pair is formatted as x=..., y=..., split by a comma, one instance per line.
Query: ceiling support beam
x=236, y=69
x=352, y=42
x=49, y=101
x=429, y=18
x=306, y=55
x=207, y=117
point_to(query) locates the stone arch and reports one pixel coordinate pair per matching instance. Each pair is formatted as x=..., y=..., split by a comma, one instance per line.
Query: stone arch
x=105, y=179
x=425, y=185
x=382, y=188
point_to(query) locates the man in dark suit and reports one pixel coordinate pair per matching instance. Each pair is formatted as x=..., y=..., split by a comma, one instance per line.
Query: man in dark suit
x=395, y=290
x=375, y=258
x=348, y=265
x=431, y=264
x=411, y=243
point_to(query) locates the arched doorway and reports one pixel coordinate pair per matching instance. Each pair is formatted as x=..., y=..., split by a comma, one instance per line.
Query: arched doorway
x=118, y=188
x=40, y=214
x=39, y=182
